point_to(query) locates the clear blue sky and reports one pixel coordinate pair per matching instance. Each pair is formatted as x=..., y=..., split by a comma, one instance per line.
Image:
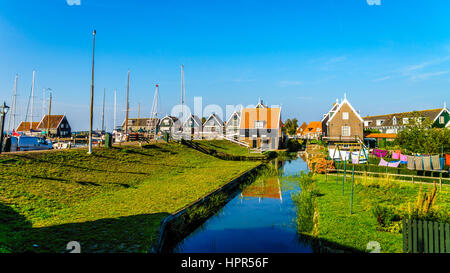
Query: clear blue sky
x=300, y=54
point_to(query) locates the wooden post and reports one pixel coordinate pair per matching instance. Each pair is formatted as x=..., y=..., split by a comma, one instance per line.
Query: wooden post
x=353, y=181
x=343, y=180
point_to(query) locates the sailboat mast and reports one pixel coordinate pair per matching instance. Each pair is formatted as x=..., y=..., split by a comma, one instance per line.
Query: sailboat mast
x=43, y=102
x=103, y=112
x=154, y=111
x=13, y=115
x=32, y=100
x=128, y=105
x=182, y=93
x=115, y=109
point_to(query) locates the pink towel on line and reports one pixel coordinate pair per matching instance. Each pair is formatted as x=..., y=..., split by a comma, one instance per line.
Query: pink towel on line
x=395, y=155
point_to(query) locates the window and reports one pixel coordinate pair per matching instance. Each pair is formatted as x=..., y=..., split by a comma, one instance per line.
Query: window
x=346, y=131
x=441, y=120
x=259, y=124
x=345, y=115
x=405, y=120
x=247, y=132
x=166, y=122
x=366, y=123
x=394, y=121
x=379, y=122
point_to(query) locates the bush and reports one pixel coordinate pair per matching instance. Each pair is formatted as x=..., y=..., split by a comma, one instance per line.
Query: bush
x=385, y=216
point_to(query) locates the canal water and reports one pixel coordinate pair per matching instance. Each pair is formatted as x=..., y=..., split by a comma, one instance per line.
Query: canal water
x=261, y=218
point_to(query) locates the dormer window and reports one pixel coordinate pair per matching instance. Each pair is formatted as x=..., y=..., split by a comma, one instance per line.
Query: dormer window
x=394, y=121
x=379, y=122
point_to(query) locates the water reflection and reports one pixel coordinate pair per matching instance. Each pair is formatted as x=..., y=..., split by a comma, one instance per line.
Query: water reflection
x=262, y=218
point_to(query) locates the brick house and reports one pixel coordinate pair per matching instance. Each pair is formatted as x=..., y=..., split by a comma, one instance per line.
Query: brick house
x=343, y=123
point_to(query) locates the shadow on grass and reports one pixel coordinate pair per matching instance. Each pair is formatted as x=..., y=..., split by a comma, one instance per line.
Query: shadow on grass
x=114, y=235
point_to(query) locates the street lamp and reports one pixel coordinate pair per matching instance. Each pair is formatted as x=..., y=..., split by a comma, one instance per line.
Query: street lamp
x=3, y=110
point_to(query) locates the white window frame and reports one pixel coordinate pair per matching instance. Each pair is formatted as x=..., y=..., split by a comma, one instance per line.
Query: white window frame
x=344, y=128
x=259, y=124
x=380, y=122
x=441, y=120
x=345, y=115
x=394, y=121
x=405, y=120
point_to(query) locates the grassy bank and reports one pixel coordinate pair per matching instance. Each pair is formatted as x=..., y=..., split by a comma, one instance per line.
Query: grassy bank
x=226, y=148
x=111, y=201
x=354, y=231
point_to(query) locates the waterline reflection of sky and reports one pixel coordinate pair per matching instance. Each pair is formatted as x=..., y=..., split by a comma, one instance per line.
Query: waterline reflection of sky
x=262, y=218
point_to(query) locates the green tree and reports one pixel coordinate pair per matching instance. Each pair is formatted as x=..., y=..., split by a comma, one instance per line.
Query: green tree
x=419, y=137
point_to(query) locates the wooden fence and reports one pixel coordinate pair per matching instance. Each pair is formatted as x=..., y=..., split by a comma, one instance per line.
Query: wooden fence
x=425, y=237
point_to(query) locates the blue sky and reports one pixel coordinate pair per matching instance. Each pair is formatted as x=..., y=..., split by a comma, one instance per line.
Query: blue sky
x=299, y=54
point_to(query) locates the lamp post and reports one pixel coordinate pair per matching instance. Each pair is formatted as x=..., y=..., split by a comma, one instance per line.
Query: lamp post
x=4, y=110
x=92, y=96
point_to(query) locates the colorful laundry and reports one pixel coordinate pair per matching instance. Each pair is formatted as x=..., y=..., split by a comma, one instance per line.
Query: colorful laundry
x=426, y=163
x=403, y=159
x=435, y=162
x=410, y=160
x=393, y=164
x=379, y=153
x=419, y=163
x=447, y=160
x=395, y=155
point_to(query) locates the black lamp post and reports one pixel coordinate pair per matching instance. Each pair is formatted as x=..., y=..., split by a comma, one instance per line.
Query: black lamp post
x=3, y=110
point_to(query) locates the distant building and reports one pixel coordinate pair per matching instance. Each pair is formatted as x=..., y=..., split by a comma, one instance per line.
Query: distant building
x=141, y=124
x=168, y=124
x=313, y=130
x=394, y=123
x=213, y=128
x=343, y=123
x=25, y=127
x=58, y=127
x=192, y=128
x=232, y=125
x=300, y=129
x=260, y=127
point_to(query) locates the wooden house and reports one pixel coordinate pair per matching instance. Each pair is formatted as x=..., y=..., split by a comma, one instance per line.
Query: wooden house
x=260, y=127
x=168, y=124
x=192, y=128
x=394, y=123
x=232, y=125
x=141, y=124
x=58, y=126
x=213, y=128
x=343, y=123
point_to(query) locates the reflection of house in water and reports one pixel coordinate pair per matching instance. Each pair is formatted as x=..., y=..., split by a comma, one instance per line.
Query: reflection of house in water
x=264, y=188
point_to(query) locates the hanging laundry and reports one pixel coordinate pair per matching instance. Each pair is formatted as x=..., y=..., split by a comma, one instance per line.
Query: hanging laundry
x=379, y=153
x=447, y=160
x=426, y=163
x=383, y=163
x=435, y=162
x=419, y=163
x=411, y=161
x=394, y=164
x=395, y=155
x=403, y=159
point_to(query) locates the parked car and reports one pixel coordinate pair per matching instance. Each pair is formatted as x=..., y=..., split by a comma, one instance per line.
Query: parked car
x=28, y=143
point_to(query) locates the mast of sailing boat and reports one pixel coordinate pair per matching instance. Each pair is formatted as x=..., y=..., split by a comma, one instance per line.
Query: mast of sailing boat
x=128, y=105
x=115, y=109
x=32, y=100
x=182, y=94
x=154, y=113
x=13, y=114
x=103, y=112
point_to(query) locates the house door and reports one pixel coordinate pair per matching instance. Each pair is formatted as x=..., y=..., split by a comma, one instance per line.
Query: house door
x=254, y=143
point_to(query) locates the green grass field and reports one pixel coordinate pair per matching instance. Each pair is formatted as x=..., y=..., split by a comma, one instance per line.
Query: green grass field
x=355, y=231
x=224, y=146
x=111, y=201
